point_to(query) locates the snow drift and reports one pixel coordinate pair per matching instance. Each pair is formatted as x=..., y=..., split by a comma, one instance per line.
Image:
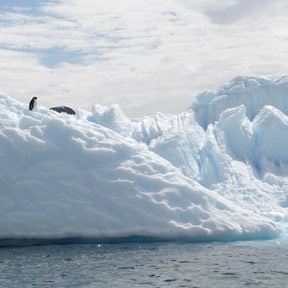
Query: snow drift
x=218, y=171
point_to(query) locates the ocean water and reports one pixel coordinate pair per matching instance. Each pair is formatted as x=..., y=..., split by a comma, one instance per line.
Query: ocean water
x=233, y=264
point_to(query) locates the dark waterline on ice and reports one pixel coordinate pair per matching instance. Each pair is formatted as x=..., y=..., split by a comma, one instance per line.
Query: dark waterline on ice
x=24, y=242
x=232, y=264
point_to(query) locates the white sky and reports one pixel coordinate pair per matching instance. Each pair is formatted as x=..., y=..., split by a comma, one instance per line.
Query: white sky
x=146, y=56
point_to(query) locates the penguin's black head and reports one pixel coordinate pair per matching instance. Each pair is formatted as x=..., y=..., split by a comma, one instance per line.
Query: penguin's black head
x=34, y=98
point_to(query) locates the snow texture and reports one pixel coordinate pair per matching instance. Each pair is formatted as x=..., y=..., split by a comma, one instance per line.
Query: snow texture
x=218, y=171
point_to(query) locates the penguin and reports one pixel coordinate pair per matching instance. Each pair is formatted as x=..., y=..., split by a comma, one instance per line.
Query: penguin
x=33, y=103
x=64, y=109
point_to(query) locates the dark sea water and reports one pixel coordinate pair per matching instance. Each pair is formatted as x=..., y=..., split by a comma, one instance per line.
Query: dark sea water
x=235, y=264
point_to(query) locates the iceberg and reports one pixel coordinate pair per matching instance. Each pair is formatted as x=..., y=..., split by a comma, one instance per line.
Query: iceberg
x=216, y=172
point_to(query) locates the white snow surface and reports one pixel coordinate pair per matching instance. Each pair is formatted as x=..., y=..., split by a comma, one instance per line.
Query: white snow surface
x=218, y=171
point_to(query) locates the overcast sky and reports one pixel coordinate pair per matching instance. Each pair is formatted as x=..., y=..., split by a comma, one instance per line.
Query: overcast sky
x=145, y=55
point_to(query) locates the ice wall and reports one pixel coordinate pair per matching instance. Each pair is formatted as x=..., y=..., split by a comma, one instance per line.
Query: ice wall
x=253, y=92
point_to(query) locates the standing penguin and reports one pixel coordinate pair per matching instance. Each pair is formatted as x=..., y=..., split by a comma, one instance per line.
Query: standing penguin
x=33, y=103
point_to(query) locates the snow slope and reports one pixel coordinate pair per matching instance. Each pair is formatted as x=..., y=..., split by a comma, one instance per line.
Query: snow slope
x=218, y=171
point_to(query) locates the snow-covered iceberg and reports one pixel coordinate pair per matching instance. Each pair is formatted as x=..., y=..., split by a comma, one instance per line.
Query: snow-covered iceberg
x=218, y=171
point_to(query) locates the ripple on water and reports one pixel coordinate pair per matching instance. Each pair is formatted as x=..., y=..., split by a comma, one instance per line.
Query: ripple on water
x=237, y=264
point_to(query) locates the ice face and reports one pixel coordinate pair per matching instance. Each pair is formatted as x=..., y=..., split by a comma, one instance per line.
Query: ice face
x=252, y=92
x=215, y=172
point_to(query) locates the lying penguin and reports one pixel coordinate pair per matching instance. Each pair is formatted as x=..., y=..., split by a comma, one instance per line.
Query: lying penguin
x=64, y=109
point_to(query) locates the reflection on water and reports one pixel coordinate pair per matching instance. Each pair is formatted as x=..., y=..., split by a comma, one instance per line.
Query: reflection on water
x=237, y=264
